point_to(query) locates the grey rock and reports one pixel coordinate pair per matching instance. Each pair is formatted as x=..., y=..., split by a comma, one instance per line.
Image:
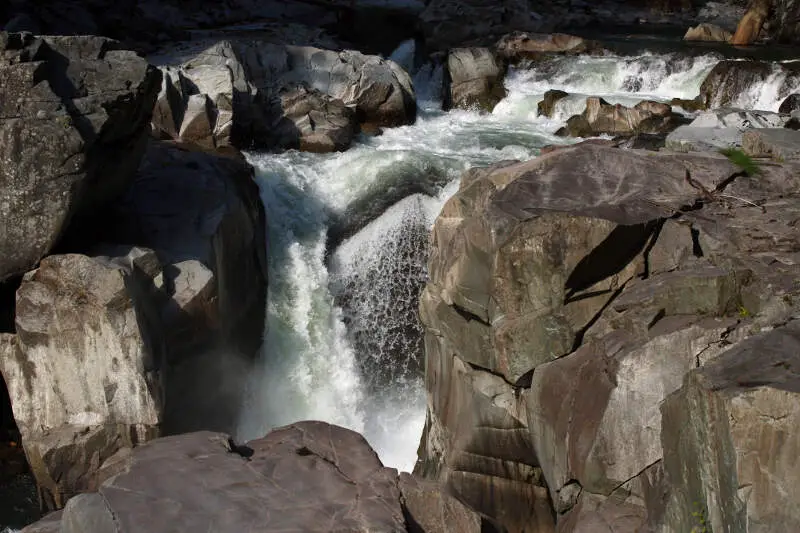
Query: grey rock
x=692, y=138
x=781, y=144
x=309, y=476
x=738, y=118
x=259, y=94
x=97, y=101
x=203, y=216
x=475, y=79
x=736, y=417
x=87, y=333
x=707, y=32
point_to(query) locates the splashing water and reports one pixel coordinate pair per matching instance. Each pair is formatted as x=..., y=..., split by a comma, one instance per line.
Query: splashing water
x=343, y=340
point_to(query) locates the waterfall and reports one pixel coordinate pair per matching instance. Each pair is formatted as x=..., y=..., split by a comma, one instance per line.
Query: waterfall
x=343, y=339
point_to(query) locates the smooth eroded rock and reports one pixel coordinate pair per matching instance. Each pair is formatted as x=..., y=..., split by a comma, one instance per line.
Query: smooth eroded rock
x=310, y=476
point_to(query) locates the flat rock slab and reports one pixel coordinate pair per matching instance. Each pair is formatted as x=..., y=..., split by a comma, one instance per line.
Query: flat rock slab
x=307, y=477
x=778, y=143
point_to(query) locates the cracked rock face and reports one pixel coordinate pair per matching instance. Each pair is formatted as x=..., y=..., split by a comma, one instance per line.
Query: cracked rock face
x=570, y=297
x=84, y=369
x=476, y=79
x=310, y=476
x=74, y=118
x=247, y=94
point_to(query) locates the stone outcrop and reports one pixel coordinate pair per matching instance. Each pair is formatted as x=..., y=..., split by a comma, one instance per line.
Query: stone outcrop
x=780, y=144
x=569, y=297
x=729, y=80
x=548, y=104
x=252, y=94
x=720, y=129
x=106, y=343
x=749, y=28
x=75, y=114
x=600, y=118
x=203, y=216
x=737, y=416
x=518, y=46
x=707, y=32
x=309, y=476
x=84, y=368
x=474, y=79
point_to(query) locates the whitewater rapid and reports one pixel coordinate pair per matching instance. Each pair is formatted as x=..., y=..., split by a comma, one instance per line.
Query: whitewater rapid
x=342, y=339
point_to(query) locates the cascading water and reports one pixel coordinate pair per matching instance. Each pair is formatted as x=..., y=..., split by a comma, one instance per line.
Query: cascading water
x=343, y=341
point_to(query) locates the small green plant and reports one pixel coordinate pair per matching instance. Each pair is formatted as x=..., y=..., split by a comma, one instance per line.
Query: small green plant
x=741, y=160
x=743, y=312
x=701, y=522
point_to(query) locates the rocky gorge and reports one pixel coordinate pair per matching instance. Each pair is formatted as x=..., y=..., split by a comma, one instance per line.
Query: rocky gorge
x=253, y=278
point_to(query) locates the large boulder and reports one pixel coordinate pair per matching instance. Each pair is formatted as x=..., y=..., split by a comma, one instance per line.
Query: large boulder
x=120, y=335
x=707, y=32
x=75, y=117
x=474, y=79
x=519, y=46
x=569, y=296
x=547, y=106
x=749, y=28
x=203, y=216
x=84, y=370
x=309, y=476
x=600, y=118
x=247, y=94
x=730, y=438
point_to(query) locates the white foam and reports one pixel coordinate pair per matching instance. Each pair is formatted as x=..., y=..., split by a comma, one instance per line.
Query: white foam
x=310, y=363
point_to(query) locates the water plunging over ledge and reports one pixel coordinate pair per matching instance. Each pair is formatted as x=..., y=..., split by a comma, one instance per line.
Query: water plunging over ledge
x=343, y=341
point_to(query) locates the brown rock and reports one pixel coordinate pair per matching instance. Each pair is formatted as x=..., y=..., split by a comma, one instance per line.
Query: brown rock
x=600, y=118
x=309, y=476
x=547, y=106
x=749, y=27
x=737, y=417
x=475, y=79
x=519, y=46
x=707, y=32
x=83, y=335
